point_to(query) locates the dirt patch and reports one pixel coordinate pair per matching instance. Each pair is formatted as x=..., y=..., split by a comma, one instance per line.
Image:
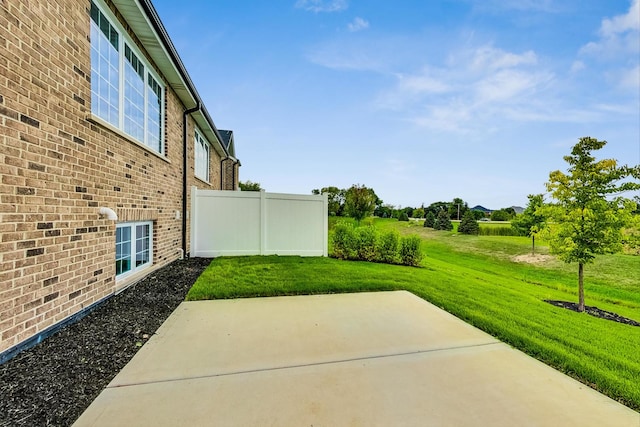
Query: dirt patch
x=536, y=259
x=595, y=311
x=55, y=381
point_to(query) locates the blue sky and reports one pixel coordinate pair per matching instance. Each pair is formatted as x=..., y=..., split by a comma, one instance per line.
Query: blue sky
x=421, y=100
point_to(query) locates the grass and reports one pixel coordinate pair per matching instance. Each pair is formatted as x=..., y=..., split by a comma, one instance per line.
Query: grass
x=474, y=278
x=496, y=229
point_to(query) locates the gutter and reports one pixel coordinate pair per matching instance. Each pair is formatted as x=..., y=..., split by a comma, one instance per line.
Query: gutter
x=159, y=28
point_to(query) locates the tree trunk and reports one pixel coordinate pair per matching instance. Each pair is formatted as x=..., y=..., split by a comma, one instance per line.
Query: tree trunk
x=581, y=287
x=533, y=245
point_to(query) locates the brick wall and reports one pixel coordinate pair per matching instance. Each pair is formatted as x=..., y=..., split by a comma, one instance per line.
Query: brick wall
x=58, y=167
x=230, y=174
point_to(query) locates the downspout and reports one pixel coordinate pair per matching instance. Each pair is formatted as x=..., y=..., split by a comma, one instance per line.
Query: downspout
x=222, y=171
x=235, y=172
x=185, y=145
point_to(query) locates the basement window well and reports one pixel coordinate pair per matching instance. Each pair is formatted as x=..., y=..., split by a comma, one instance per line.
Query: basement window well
x=134, y=247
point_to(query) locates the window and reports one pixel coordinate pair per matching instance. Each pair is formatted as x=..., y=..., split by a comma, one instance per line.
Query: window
x=124, y=92
x=202, y=157
x=133, y=247
x=105, y=68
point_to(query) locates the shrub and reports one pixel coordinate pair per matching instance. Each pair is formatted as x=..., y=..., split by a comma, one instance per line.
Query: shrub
x=429, y=220
x=344, y=241
x=387, y=249
x=501, y=215
x=403, y=217
x=468, y=225
x=410, y=253
x=496, y=230
x=366, y=238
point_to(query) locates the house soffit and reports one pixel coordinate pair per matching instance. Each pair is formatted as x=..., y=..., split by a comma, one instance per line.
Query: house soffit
x=141, y=24
x=142, y=27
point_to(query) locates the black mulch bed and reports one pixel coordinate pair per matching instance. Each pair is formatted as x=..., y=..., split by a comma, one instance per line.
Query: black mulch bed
x=55, y=381
x=594, y=311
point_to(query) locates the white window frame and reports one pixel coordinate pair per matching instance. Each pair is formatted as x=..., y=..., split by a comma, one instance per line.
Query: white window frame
x=202, y=150
x=149, y=130
x=132, y=252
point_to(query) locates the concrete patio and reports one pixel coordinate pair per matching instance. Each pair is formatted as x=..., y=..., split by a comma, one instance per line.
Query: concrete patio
x=369, y=359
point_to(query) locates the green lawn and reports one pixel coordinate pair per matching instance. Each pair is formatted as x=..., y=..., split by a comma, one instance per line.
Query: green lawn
x=475, y=279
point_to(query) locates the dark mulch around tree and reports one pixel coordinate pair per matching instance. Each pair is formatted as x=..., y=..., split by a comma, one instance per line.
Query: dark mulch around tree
x=594, y=311
x=55, y=381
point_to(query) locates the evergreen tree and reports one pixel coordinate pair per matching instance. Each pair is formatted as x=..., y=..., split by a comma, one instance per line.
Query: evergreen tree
x=468, y=225
x=443, y=222
x=430, y=220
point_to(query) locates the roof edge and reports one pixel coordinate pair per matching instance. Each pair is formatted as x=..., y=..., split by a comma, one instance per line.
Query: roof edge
x=163, y=36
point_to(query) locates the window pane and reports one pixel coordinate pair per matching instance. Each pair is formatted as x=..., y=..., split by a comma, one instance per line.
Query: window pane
x=133, y=96
x=133, y=247
x=123, y=250
x=201, y=157
x=154, y=114
x=104, y=67
x=142, y=244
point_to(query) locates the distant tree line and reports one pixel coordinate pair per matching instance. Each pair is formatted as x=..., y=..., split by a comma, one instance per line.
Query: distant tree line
x=359, y=201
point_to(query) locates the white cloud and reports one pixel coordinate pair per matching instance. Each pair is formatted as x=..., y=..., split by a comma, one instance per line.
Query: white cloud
x=322, y=5
x=629, y=79
x=473, y=88
x=422, y=83
x=577, y=66
x=358, y=24
x=490, y=58
x=622, y=23
x=506, y=85
x=619, y=36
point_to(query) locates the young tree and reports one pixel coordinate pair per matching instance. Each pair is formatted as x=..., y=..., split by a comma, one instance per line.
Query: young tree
x=443, y=222
x=429, y=220
x=249, y=186
x=531, y=221
x=589, y=213
x=468, y=225
x=360, y=202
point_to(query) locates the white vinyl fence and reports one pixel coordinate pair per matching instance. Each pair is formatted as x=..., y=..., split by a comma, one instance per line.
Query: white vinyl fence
x=227, y=223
